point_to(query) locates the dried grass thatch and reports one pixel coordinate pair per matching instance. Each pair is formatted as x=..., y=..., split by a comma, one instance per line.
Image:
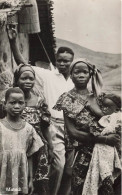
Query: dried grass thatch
x=11, y=4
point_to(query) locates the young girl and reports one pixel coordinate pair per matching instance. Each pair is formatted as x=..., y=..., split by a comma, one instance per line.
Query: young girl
x=36, y=113
x=105, y=164
x=18, y=141
x=79, y=118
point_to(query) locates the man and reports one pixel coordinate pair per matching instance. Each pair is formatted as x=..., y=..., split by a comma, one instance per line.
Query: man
x=56, y=82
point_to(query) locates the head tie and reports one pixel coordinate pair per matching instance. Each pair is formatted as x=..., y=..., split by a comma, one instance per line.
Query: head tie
x=96, y=77
x=20, y=69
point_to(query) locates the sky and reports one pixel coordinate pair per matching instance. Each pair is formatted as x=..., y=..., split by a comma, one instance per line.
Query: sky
x=94, y=24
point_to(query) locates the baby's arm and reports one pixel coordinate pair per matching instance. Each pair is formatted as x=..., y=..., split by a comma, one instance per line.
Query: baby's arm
x=30, y=175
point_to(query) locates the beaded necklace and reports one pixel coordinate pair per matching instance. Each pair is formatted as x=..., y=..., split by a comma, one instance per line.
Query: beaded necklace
x=14, y=127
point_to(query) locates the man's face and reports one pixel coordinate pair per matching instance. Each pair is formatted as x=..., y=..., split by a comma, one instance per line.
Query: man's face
x=63, y=62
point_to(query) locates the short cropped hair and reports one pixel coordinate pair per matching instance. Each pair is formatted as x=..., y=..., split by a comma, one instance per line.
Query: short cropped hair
x=65, y=49
x=12, y=90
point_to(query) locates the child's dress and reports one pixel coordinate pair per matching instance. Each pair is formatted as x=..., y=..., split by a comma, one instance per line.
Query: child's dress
x=15, y=146
x=38, y=116
x=105, y=163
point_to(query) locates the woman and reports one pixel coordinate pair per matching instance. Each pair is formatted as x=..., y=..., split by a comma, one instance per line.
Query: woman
x=36, y=113
x=77, y=105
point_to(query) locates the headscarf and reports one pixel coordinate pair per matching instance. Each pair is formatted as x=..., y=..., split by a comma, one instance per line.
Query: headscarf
x=20, y=69
x=96, y=77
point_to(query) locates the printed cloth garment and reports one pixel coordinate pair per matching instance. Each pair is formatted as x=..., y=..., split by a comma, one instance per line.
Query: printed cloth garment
x=15, y=146
x=105, y=162
x=76, y=108
x=39, y=116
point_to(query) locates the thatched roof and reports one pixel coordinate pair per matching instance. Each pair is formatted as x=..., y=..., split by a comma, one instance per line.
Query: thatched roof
x=12, y=4
x=8, y=10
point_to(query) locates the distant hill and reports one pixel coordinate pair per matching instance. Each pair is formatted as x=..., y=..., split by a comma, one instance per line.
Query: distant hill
x=109, y=64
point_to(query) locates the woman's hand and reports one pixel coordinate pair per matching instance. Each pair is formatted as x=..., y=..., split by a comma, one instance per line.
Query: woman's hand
x=30, y=186
x=112, y=139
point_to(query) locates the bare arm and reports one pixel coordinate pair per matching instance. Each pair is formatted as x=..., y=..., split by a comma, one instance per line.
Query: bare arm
x=73, y=132
x=30, y=175
x=111, y=139
x=47, y=136
x=12, y=35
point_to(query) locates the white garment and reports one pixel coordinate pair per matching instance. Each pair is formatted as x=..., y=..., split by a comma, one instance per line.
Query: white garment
x=57, y=166
x=105, y=160
x=54, y=85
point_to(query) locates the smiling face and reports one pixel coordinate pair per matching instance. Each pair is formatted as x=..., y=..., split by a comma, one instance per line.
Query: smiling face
x=80, y=75
x=26, y=81
x=63, y=62
x=15, y=104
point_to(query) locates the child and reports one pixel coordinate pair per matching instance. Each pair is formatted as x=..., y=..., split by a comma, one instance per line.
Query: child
x=105, y=165
x=78, y=117
x=18, y=141
x=37, y=114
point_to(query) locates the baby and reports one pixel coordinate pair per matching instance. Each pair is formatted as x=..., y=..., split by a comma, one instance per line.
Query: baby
x=105, y=165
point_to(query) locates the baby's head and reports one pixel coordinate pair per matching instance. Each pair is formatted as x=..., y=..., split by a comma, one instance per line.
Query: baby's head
x=111, y=103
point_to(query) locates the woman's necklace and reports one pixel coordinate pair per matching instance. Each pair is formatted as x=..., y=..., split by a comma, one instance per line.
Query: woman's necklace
x=14, y=127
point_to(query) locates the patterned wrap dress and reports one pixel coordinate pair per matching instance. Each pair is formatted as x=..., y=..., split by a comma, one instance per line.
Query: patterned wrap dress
x=75, y=108
x=38, y=116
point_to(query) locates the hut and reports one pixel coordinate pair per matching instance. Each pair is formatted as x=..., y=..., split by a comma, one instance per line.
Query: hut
x=46, y=34
x=34, y=21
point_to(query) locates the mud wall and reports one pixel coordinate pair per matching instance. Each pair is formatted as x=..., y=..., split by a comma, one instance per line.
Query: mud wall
x=7, y=63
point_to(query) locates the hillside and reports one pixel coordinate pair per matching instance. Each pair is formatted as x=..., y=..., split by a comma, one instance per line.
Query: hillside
x=109, y=64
